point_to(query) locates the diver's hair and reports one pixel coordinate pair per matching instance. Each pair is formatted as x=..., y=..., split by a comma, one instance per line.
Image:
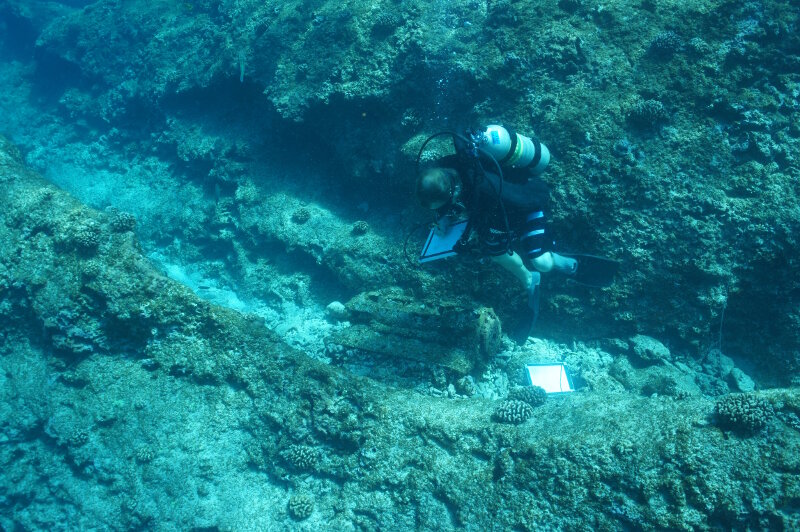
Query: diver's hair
x=435, y=186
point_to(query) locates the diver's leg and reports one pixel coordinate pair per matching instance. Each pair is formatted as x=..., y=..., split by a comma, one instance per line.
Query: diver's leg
x=497, y=246
x=550, y=261
x=544, y=262
x=535, y=243
x=530, y=280
x=513, y=264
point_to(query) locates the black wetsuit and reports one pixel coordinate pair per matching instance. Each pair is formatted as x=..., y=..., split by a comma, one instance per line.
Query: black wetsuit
x=525, y=198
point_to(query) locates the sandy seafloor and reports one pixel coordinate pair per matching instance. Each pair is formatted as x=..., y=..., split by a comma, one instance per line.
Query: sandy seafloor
x=208, y=321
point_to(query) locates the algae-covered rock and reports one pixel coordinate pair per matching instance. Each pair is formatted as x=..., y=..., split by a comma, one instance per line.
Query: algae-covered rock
x=395, y=324
x=649, y=350
x=9, y=153
x=742, y=381
x=336, y=310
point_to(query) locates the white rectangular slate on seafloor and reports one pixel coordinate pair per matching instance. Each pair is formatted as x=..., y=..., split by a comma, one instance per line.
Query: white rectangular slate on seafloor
x=552, y=377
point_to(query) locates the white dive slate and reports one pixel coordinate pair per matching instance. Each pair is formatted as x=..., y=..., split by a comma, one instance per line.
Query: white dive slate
x=552, y=377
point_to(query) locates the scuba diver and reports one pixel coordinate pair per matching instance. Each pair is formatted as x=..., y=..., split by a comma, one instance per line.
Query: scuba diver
x=499, y=210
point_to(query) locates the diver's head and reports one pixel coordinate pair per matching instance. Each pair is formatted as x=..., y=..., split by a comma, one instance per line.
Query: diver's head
x=436, y=187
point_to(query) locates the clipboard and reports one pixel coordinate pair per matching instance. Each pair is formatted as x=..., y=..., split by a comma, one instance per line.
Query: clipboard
x=440, y=244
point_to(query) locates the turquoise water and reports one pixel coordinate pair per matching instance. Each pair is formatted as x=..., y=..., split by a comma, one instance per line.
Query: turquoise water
x=213, y=316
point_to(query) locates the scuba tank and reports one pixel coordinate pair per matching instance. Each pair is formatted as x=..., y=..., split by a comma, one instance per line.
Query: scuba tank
x=513, y=150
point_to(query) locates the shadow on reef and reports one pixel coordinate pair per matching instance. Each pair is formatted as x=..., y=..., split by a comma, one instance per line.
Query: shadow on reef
x=754, y=316
x=17, y=34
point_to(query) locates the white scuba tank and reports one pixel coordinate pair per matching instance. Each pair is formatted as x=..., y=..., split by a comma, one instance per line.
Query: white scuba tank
x=514, y=150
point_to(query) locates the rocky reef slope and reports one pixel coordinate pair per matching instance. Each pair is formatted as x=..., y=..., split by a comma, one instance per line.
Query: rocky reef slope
x=673, y=127
x=127, y=402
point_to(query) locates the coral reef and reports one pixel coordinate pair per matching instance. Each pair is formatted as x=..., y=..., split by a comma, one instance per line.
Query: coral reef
x=360, y=228
x=719, y=80
x=87, y=237
x=250, y=136
x=301, y=215
x=302, y=457
x=144, y=454
x=78, y=437
x=215, y=393
x=122, y=222
x=665, y=44
x=396, y=73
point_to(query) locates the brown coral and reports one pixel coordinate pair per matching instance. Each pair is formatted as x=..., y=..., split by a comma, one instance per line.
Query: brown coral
x=514, y=412
x=301, y=215
x=743, y=412
x=301, y=457
x=360, y=228
x=122, y=222
x=300, y=506
x=532, y=395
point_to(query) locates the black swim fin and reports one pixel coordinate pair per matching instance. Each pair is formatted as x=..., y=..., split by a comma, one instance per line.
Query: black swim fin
x=523, y=331
x=592, y=270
